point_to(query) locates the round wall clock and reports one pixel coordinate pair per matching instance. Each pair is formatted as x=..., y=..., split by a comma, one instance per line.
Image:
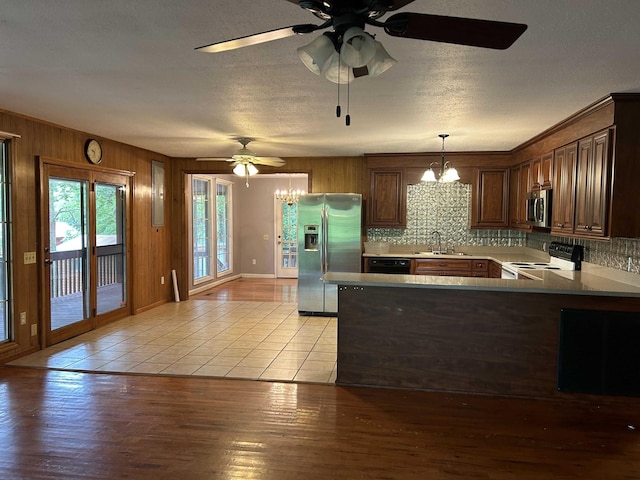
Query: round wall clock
x=93, y=150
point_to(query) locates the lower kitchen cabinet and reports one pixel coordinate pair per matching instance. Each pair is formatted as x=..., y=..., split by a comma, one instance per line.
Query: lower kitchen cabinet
x=495, y=269
x=451, y=267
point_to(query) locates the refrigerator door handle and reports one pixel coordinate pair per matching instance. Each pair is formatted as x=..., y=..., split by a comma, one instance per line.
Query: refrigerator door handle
x=325, y=240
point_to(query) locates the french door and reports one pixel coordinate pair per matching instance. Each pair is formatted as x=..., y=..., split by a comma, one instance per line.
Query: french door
x=84, y=238
x=287, y=243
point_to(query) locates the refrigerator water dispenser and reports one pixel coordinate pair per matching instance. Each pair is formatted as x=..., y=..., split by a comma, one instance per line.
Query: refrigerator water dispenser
x=311, y=237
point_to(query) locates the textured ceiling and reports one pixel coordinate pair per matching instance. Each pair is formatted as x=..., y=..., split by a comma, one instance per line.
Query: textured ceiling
x=127, y=70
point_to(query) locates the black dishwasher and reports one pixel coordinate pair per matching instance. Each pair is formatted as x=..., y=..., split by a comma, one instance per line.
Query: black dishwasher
x=389, y=265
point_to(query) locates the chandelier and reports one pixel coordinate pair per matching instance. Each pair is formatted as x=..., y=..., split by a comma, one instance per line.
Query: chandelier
x=447, y=172
x=289, y=196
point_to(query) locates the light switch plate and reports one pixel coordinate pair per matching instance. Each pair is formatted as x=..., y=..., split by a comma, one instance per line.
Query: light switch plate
x=29, y=257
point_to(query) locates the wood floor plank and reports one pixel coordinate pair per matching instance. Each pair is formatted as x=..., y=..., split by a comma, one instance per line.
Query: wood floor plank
x=65, y=425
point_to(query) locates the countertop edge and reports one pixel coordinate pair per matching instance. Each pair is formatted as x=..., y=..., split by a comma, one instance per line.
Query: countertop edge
x=548, y=283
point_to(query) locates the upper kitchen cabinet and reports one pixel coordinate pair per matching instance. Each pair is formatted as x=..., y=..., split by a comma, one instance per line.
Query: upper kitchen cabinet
x=541, y=172
x=564, y=187
x=490, y=200
x=387, y=205
x=596, y=153
x=520, y=184
x=592, y=185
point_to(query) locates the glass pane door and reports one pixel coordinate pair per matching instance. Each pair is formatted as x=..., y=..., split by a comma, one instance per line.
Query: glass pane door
x=110, y=247
x=84, y=250
x=68, y=259
x=287, y=245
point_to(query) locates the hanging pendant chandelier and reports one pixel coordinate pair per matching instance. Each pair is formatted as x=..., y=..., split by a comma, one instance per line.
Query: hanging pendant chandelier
x=447, y=172
x=289, y=196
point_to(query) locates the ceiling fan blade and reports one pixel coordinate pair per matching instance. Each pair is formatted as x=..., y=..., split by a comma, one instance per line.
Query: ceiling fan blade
x=214, y=159
x=461, y=31
x=257, y=38
x=269, y=161
x=389, y=5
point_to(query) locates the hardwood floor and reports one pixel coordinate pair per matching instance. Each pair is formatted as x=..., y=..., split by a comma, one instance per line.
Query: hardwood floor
x=63, y=425
x=283, y=290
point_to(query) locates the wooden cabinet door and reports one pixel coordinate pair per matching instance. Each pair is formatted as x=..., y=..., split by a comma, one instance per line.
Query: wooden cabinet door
x=525, y=186
x=583, y=190
x=546, y=171
x=599, y=184
x=519, y=186
x=491, y=199
x=387, y=203
x=592, y=192
x=563, y=201
x=541, y=172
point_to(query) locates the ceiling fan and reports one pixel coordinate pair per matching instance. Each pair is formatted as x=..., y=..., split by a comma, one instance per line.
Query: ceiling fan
x=244, y=161
x=342, y=15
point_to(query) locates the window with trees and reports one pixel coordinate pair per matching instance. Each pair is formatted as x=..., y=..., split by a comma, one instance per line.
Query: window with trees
x=5, y=227
x=212, y=244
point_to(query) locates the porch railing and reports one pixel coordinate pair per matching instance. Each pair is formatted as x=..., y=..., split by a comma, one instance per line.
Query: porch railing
x=67, y=267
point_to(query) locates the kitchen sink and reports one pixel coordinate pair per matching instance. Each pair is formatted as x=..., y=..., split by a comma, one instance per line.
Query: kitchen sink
x=456, y=254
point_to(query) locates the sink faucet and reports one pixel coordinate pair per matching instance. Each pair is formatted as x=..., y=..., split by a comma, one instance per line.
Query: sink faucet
x=439, y=237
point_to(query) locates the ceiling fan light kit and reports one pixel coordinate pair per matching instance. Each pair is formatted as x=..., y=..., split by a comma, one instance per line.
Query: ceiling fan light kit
x=245, y=161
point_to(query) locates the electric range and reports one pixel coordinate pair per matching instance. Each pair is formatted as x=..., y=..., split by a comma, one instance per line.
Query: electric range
x=562, y=256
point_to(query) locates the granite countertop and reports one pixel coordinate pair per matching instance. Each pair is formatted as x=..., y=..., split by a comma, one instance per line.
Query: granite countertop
x=591, y=280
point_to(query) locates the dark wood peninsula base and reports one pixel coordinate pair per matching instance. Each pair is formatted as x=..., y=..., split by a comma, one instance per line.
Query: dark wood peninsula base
x=453, y=340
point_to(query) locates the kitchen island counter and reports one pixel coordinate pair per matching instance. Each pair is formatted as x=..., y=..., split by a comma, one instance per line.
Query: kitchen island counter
x=540, y=281
x=462, y=334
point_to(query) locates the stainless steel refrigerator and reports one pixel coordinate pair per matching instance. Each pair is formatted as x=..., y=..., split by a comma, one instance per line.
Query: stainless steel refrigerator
x=329, y=240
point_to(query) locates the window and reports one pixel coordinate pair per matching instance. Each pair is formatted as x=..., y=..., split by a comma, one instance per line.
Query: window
x=201, y=227
x=211, y=236
x=5, y=227
x=223, y=226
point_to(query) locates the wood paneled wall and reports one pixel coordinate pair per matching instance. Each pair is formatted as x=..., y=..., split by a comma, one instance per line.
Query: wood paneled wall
x=150, y=247
x=326, y=175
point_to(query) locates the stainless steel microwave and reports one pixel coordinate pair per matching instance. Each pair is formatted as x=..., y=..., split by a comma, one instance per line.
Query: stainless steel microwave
x=539, y=208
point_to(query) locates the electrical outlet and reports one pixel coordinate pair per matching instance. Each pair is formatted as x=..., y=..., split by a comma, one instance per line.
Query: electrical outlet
x=23, y=318
x=162, y=280
x=29, y=257
x=34, y=330
x=253, y=261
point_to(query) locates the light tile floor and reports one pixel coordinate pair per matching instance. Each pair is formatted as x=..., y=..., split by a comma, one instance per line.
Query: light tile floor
x=234, y=339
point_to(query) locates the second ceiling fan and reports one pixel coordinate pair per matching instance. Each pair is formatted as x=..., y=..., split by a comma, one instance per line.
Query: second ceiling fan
x=244, y=161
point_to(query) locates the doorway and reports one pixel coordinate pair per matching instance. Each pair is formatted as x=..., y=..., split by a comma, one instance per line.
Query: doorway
x=287, y=239
x=84, y=243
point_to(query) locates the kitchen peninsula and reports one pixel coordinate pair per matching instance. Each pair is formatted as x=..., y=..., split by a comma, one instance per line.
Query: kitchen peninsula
x=457, y=334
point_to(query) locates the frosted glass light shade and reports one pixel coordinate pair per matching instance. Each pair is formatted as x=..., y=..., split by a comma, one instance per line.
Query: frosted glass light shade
x=381, y=61
x=358, y=47
x=315, y=54
x=429, y=176
x=242, y=169
x=450, y=175
x=336, y=71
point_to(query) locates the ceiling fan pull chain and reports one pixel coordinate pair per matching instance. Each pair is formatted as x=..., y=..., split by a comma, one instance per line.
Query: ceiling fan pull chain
x=347, y=119
x=338, y=109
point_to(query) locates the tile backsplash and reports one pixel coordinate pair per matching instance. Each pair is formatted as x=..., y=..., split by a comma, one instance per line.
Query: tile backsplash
x=619, y=253
x=446, y=208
